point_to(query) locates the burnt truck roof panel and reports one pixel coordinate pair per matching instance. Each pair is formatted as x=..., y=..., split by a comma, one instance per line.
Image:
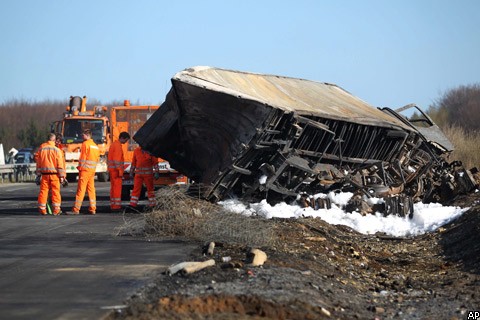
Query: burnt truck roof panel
x=305, y=97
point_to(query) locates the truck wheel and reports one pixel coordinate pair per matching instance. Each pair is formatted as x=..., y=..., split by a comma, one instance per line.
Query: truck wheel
x=126, y=193
x=71, y=177
x=102, y=176
x=143, y=193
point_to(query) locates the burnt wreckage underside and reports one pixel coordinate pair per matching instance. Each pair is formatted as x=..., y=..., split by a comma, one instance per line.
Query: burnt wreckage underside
x=282, y=139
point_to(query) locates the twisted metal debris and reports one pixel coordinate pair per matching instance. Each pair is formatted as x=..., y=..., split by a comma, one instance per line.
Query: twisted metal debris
x=258, y=136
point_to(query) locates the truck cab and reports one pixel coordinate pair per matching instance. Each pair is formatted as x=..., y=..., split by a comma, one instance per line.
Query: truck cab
x=76, y=119
x=130, y=119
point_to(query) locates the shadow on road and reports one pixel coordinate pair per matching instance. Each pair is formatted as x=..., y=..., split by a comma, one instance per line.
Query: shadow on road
x=20, y=211
x=33, y=211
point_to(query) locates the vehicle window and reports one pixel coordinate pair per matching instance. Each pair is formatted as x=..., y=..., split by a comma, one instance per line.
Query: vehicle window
x=20, y=159
x=72, y=132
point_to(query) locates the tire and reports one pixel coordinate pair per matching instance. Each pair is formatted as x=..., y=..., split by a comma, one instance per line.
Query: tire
x=143, y=193
x=126, y=193
x=71, y=177
x=102, y=176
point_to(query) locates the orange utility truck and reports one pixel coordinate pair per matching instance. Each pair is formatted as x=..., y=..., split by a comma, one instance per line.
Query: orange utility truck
x=77, y=118
x=130, y=118
x=106, y=126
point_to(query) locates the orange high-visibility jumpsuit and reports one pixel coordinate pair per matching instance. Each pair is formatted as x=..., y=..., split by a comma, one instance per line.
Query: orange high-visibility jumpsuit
x=115, y=170
x=143, y=165
x=51, y=164
x=87, y=163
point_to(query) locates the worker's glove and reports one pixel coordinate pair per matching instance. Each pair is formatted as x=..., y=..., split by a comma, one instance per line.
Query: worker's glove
x=64, y=183
x=37, y=180
x=156, y=175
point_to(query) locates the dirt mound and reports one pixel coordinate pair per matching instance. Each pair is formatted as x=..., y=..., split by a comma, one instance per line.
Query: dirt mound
x=319, y=271
x=461, y=241
x=228, y=307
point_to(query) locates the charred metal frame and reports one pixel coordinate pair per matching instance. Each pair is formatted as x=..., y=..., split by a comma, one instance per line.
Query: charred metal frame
x=234, y=145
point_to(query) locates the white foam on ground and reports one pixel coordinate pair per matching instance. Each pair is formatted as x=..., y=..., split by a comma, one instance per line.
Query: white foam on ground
x=426, y=217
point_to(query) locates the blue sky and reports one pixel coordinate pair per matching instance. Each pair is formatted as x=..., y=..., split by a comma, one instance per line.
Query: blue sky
x=388, y=53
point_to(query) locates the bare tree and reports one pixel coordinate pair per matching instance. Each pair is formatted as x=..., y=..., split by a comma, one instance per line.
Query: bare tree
x=458, y=107
x=24, y=123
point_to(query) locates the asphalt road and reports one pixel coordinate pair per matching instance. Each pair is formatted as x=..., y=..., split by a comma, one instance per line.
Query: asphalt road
x=72, y=267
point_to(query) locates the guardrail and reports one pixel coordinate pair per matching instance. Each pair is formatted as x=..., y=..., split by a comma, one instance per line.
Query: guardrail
x=17, y=172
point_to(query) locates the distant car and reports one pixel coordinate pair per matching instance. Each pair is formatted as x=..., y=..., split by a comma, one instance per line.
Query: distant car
x=24, y=156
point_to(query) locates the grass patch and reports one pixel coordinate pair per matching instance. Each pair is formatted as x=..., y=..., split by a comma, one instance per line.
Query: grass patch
x=181, y=216
x=467, y=146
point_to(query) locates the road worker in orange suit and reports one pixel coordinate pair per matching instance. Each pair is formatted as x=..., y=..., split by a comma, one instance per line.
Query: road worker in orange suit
x=87, y=163
x=143, y=167
x=59, y=144
x=59, y=141
x=115, y=169
x=51, y=166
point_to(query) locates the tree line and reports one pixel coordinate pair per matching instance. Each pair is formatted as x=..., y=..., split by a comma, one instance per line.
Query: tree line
x=457, y=113
x=458, y=107
x=26, y=123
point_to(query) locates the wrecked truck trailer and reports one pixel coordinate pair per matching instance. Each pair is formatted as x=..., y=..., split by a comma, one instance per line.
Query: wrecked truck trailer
x=257, y=136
